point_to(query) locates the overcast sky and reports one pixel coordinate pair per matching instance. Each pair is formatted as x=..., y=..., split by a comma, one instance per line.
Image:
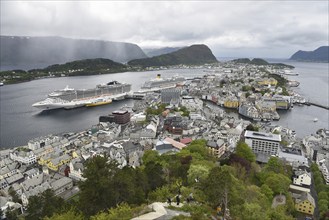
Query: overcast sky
x=269, y=29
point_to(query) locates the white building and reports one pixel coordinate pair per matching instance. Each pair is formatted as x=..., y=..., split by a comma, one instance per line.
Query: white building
x=40, y=142
x=302, y=178
x=23, y=157
x=264, y=143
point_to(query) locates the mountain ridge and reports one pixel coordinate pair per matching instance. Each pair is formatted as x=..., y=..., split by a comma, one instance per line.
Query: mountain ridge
x=320, y=54
x=193, y=55
x=43, y=51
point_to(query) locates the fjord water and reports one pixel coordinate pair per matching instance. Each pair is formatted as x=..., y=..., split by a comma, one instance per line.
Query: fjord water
x=20, y=122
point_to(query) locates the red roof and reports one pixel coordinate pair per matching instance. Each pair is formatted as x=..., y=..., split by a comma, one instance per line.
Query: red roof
x=186, y=140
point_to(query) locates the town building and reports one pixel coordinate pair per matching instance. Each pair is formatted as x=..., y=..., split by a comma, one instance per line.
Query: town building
x=304, y=203
x=121, y=117
x=263, y=143
x=171, y=96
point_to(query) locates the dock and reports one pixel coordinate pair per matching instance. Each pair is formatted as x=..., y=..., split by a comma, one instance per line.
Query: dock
x=317, y=105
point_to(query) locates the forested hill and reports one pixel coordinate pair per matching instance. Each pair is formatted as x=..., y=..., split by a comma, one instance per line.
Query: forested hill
x=193, y=55
x=261, y=62
x=88, y=65
x=319, y=55
x=37, y=52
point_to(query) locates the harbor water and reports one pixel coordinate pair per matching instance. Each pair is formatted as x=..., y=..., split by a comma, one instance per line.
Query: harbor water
x=20, y=122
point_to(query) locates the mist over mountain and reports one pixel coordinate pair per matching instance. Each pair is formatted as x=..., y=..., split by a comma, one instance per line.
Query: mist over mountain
x=35, y=52
x=159, y=51
x=192, y=55
x=319, y=55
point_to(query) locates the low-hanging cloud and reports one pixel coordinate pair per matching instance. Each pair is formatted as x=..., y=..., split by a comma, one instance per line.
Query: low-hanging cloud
x=236, y=28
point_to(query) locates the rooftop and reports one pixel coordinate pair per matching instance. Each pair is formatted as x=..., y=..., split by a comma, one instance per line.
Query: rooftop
x=262, y=136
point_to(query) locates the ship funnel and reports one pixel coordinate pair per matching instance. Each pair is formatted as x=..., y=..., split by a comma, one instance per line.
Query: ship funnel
x=159, y=76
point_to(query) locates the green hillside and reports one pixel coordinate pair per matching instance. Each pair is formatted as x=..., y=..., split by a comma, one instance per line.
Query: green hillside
x=193, y=55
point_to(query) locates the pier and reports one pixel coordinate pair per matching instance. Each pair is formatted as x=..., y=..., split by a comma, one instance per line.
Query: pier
x=316, y=104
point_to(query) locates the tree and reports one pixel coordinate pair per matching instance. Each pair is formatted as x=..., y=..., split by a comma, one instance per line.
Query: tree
x=96, y=192
x=70, y=214
x=122, y=212
x=267, y=191
x=44, y=205
x=279, y=183
x=154, y=173
x=197, y=173
x=244, y=151
x=150, y=155
x=217, y=187
x=11, y=214
x=275, y=165
x=14, y=195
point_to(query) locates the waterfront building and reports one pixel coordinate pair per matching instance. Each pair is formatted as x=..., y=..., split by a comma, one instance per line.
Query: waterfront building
x=41, y=142
x=231, y=102
x=121, y=117
x=24, y=157
x=264, y=143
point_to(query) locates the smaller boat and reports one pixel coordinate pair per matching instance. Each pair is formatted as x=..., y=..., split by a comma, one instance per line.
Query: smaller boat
x=99, y=101
x=315, y=119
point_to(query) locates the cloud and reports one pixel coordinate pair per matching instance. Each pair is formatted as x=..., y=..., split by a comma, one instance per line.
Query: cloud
x=269, y=28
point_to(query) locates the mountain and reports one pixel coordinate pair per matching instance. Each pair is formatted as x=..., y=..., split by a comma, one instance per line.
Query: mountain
x=319, y=55
x=160, y=51
x=192, y=55
x=36, y=52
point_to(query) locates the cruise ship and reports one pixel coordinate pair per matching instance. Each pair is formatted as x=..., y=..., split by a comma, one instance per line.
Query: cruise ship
x=69, y=98
x=159, y=83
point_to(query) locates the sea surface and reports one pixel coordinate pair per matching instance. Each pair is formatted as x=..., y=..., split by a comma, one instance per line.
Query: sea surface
x=20, y=122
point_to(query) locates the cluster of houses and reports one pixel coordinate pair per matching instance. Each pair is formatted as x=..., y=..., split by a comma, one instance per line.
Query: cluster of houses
x=57, y=161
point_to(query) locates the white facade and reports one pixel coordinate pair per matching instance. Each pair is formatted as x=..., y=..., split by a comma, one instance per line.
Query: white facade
x=264, y=143
x=42, y=141
x=24, y=157
x=302, y=178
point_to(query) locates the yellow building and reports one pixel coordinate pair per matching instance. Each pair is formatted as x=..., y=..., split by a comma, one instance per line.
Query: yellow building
x=231, y=103
x=304, y=203
x=54, y=164
x=267, y=81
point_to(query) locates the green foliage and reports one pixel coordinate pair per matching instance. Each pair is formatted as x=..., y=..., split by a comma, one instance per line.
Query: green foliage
x=267, y=191
x=246, y=88
x=11, y=214
x=193, y=55
x=44, y=205
x=96, y=193
x=244, y=151
x=122, y=212
x=252, y=127
x=281, y=80
x=70, y=214
x=14, y=195
x=155, y=175
x=150, y=156
x=197, y=172
x=217, y=186
x=284, y=91
x=279, y=183
x=161, y=194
